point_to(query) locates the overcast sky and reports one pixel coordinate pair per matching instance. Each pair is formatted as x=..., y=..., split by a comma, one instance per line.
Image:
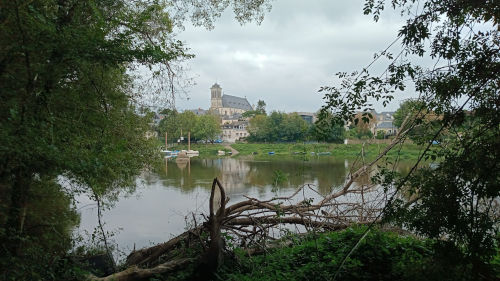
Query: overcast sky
x=298, y=48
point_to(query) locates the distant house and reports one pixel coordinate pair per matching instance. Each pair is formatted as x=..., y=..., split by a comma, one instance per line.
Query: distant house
x=232, y=132
x=384, y=123
x=198, y=111
x=386, y=126
x=309, y=117
x=381, y=122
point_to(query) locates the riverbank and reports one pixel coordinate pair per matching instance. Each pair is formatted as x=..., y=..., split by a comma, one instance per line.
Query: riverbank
x=382, y=255
x=406, y=151
x=206, y=150
x=301, y=150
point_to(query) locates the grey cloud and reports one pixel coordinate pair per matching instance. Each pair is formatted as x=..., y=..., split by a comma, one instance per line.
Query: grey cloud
x=297, y=49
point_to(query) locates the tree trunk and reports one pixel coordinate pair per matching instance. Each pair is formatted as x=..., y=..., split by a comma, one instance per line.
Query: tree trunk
x=17, y=212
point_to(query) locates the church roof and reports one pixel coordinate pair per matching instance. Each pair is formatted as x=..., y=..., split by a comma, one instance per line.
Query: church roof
x=235, y=102
x=215, y=86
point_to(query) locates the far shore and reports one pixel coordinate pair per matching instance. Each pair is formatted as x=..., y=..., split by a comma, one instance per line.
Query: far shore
x=300, y=150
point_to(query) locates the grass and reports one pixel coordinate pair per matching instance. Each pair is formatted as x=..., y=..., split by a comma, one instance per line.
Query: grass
x=297, y=150
x=406, y=151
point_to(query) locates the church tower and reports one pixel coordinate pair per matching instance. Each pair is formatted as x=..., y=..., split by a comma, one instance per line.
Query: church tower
x=216, y=97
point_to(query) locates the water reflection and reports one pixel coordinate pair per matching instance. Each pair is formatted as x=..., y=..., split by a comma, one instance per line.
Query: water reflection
x=238, y=175
x=162, y=204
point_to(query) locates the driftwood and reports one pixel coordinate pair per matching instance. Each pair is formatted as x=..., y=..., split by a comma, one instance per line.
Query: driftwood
x=253, y=223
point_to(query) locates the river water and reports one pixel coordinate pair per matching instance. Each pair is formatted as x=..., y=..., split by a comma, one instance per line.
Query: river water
x=162, y=205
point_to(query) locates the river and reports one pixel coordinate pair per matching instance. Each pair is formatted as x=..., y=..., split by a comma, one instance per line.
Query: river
x=162, y=205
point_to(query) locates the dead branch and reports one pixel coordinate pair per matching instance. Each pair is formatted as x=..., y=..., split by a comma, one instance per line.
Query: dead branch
x=135, y=273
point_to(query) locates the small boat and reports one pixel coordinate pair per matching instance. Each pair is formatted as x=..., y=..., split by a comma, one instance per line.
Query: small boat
x=169, y=153
x=221, y=152
x=271, y=153
x=192, y=152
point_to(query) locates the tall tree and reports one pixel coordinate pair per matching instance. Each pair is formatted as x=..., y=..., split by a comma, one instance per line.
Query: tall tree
x=327, y=128
x=66, y=100
x=462, y=39
x=168, y=124
x=207, y=128
x=261, y=107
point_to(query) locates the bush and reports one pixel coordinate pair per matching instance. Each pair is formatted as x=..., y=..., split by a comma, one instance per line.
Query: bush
x=380, y=256
x=380, y=135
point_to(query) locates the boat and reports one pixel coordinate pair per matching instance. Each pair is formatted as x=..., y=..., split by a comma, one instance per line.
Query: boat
x=192, y=153
x=221, y=152
x=169, y=153
x=189, y=152
x=271, y=153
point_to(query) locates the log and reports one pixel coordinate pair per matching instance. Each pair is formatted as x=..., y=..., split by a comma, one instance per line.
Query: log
x=148, y=255
x=135, y=273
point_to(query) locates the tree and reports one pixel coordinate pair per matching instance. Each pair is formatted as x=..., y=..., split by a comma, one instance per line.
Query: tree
x=328, y=129
x=258, y=128
x=67, y=103
x=168, y=124
x=261, y=107
x=259, y=110
x=410, y=109
x=278, y=126
x=207, y=128
x=424, y=121
x=459, y=194
x=294, y=128
x=186, y=121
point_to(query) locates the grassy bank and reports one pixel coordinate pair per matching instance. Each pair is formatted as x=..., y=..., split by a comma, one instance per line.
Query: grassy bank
x=298, y=150
x=407, y=151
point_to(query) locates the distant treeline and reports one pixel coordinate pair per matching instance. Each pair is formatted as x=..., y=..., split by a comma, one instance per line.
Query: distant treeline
x=283, y=127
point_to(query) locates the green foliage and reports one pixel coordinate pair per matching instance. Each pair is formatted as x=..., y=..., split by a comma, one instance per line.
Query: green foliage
x=277, y=127
x=259, y=110
x=207, y=128
x=328, y=129
x=410, y=109
x=381, y=256
x=46, y=238
x=459, y=195
x=65, y=109
x=359, y=133
x=454, y=200
x=380, y=135
x=279, y=178
x=204, y=127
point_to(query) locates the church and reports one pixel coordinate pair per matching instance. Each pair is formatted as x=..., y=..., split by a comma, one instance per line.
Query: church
x=227, y=105
x=230, y=108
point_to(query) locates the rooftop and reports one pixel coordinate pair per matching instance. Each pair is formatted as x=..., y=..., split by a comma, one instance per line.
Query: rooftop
x=235, y=102
x=385, y=125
